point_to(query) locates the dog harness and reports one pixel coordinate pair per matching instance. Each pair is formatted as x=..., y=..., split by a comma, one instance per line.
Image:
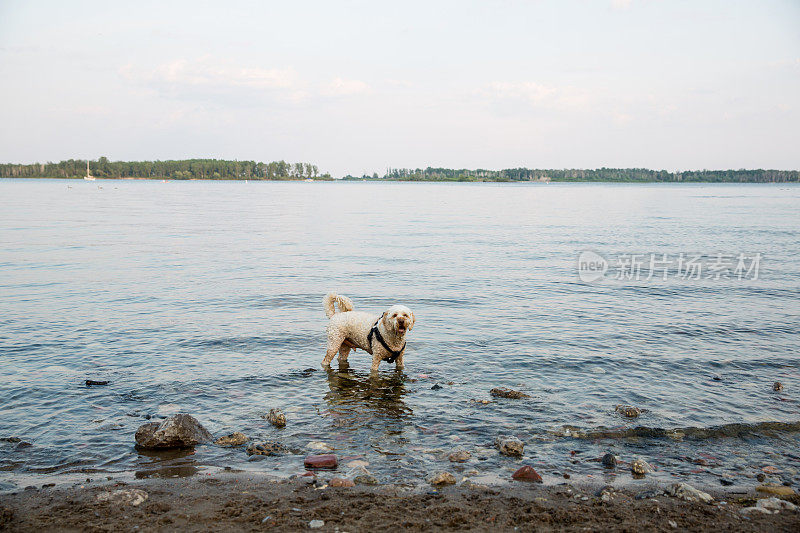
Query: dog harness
x=374, y=331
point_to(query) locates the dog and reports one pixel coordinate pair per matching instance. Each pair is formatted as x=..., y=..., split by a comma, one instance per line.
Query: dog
x=382, y=336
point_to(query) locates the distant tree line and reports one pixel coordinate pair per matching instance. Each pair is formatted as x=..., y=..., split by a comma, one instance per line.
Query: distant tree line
x=214, y=169
x=599, y=174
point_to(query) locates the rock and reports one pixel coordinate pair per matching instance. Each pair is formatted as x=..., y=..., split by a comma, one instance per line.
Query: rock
x=12, y=440
x=317, y=445
x=726, y=482
x=770, y=506
x=177, y=431
x=442, y=478
x=123, y=497
x=502, y=392
x=566, y=476
x=316, y=524
x=646, y=495
x=510, y=446
x=358, y=463
x=609, y=460
x=777, y=386
x=606, y=493
x=527, y=473
x=761, y=478
x=232, y=440
x=436, y=387
x=688, y=493
x=640, y=467
x=341, y=482
x=459, y=456
x=326, y=461
x=780, y=491
x=276, y=418
x=365, y=479
x=716, y=377
x=268, y=447
x=628, y=411
x=93, y=383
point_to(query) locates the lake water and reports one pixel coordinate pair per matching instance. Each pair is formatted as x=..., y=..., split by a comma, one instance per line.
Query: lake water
x=205, y=297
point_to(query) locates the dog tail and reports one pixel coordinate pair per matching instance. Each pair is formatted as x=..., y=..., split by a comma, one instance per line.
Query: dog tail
x=345, y=304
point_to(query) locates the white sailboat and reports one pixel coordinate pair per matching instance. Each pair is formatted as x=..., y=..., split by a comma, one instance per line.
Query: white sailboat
x=88, y=176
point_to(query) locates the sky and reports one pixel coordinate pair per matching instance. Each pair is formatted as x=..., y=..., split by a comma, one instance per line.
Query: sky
x=358, y=87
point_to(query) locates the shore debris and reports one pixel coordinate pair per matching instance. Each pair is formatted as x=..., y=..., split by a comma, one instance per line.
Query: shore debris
x=231, y=441
x=628, y=411
x=459, y=456
x=276, y=418
x=325, y=461
x=123, y=497
x=502, y=392
x=639, y=467
x=688, y=493
x=93, y=383
x=177, y=431
x=508, y=445
x=442, y=478
x=780, y=491
x=267, y=447
x=316, y=524
x=770, y=506
x=527, y=473
x=606, y=493
x=341, y=482
x=609, y=460
x=777, y=386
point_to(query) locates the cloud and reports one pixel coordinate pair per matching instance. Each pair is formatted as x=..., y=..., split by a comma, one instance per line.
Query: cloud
x=207, y=78
x=620, y=5
x=537, y=95
x=342, y=87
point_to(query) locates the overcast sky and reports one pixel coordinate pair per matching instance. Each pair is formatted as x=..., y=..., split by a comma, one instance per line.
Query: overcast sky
x=361, y=86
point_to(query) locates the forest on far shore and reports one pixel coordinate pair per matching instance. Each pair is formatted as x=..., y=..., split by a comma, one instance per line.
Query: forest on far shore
x=185, y=169
x=220, y=169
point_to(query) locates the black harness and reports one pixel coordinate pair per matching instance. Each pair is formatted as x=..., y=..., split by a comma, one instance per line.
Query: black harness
x=374, y=331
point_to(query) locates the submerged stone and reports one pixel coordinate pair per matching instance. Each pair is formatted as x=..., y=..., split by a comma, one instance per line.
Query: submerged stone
x=276, y=418
x=502, y=392
x=609, y=460
x=510, y=446
x=232, y=440
x=628, y=411
x=442, y=478
x=269, y=447
x=177, y=431
x=326, y=461
x=777, y=386
x=459, y=456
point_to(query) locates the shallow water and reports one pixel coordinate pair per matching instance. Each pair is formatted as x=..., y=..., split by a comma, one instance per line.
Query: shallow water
x=205, y=298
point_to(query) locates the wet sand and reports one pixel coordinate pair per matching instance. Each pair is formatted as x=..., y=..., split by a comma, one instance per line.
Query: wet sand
x=246, y=503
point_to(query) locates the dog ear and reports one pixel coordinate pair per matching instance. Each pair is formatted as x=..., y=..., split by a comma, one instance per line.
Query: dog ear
x=385, y=323
x=413, y=321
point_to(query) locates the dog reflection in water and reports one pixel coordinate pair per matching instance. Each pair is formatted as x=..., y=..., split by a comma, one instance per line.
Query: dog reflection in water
x=355, y=397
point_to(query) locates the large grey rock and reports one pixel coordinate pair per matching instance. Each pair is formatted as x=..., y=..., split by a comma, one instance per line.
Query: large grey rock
x=684, y=491
x=177, y=431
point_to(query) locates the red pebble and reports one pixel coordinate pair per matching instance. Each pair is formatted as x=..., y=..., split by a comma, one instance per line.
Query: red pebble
x=321, y=461
x=527, y=473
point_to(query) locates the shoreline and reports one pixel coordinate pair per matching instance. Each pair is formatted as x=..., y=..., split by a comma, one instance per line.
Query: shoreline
x=253, y=502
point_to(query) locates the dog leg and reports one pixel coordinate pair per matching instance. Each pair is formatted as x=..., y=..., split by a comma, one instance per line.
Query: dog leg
x=344, y=352
x=334, y=343
x=399, y=362
x=376, y=361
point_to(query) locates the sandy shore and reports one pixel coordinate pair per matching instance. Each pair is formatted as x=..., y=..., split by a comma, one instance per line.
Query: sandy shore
x=247, y=503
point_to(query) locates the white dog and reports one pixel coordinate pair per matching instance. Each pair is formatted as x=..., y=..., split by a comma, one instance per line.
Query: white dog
x=382, y=336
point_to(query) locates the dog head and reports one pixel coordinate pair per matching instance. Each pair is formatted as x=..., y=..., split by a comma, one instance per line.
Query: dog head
x=399, y=319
